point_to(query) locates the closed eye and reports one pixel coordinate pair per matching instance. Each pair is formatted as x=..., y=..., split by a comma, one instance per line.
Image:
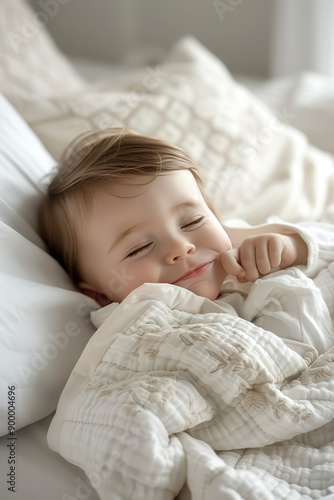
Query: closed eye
x=139, y=250
x=194, y=222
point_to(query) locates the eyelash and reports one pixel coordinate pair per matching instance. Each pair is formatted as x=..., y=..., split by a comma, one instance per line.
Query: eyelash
x=142, y=249
x=194, y=222
x=139, y=250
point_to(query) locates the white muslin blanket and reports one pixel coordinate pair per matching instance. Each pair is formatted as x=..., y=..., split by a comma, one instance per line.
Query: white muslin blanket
x=178, y=395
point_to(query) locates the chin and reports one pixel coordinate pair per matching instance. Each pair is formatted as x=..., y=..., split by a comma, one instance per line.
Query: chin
x=207, y=290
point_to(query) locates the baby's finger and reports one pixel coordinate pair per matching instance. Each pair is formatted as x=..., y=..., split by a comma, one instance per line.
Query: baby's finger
x=229, y=261
x=275, y=249
x=263, y=263
x=248, y=262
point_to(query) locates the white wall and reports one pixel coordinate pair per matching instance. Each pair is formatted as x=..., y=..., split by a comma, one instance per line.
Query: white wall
x=303, y=37
x=237, y=31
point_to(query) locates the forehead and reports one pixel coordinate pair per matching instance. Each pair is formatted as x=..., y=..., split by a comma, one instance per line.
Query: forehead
x=147, y=191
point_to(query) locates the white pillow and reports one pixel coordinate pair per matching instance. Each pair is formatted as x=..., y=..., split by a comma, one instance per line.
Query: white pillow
x=44, y=321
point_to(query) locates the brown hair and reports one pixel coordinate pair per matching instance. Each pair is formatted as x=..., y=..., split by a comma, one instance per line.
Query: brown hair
x=90, y=162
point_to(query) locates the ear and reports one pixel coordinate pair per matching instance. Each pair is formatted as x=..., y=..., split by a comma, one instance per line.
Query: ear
x=88, y=290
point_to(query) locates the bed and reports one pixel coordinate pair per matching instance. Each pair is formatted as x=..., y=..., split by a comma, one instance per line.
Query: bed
x=265, y=150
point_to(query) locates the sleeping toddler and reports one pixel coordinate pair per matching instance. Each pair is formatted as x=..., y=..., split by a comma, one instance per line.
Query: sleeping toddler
x=124, y=209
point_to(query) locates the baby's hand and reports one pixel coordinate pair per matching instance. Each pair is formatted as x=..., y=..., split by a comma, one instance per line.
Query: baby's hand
x=263, y=254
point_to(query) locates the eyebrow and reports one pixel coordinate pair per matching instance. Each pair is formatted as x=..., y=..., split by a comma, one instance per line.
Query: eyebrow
x=187, y=204
x=132, y=229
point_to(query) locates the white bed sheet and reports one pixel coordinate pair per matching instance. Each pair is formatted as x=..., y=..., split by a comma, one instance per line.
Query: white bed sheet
x=41, y=473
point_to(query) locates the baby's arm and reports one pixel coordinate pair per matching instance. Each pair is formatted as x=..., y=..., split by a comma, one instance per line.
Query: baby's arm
x=265, y=253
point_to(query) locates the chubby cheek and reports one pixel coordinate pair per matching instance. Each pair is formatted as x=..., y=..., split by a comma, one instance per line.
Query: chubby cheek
x=127, y=278
x=225, y=242
x=215, y=237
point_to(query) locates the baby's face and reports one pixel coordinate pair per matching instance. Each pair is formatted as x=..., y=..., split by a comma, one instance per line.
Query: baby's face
x=161, y=232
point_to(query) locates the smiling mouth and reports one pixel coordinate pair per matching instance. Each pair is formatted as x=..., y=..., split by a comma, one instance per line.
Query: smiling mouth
x=196, y=272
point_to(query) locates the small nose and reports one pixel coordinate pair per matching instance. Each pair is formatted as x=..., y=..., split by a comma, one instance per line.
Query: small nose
x=179, y=251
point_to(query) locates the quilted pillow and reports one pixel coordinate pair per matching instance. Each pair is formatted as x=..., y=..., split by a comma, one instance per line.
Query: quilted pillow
x=254, y=164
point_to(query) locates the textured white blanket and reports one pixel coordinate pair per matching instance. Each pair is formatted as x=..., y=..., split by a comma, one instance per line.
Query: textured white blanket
x=175, y=393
